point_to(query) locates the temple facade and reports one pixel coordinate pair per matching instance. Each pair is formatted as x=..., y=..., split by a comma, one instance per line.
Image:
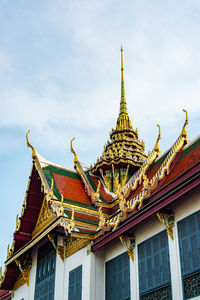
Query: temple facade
x=126, y=228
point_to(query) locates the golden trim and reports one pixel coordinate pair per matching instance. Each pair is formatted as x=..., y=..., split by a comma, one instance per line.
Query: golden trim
x=46, y=216
x=148, y=187
x=168, y=222
x=32, y=242
x=116, y=162
x=83, y=224
x=130, y=245
x=78, y=208
x=20, y=281
x=24, y=269
x=74, y=244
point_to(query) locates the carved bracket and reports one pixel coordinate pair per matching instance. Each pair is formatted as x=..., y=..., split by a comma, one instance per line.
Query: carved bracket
x=59, y=249
x=24, y=269
x=129, y=242
x=168, y=222
x=89, y=248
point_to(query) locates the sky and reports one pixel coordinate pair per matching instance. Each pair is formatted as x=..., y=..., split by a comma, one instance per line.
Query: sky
x=60, y=78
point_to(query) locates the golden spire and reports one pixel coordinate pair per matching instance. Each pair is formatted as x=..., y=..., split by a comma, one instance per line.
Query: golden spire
x=123, y=108
x=123, y=120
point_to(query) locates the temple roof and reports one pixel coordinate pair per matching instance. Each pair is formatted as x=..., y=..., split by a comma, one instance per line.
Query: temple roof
x=80, y=205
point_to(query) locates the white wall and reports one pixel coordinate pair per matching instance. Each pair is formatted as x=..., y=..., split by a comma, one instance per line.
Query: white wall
x=74, y=261
x=27, y=292
x=93, y=265
x=59, y=276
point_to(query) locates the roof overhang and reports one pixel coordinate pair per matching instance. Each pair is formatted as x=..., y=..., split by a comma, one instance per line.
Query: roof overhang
x=159, y=200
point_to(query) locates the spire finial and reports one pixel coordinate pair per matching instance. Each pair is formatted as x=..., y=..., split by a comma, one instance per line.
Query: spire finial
x=122, y=65
x=123, y=108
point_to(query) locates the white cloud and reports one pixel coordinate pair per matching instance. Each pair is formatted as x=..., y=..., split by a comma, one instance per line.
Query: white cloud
x=82, y=91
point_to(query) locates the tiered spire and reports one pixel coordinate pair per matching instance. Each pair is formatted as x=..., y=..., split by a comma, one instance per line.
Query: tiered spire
x=123, y=153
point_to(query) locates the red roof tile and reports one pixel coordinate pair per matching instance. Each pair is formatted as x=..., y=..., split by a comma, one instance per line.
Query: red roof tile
x=71, y=188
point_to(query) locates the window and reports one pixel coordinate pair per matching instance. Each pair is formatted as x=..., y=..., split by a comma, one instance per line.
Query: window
x=189, y=243
x=75, y=284
x=154, y=268
x=45, y=276
x=118, y=278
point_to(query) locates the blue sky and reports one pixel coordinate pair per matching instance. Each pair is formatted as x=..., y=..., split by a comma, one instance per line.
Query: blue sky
x=60, y=78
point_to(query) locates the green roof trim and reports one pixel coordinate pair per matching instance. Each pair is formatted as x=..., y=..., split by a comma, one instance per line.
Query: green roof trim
x=79, y=204
x=60, y=171
x=159, y=161
x=190, y=148
x=83, y=220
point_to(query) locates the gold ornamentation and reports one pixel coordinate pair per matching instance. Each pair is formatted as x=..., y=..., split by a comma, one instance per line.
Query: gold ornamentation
x=18, y=223
x=34, y=153
x=137, y=201
x=88, y=188
x=59, y=249
x=20, y=281
x=72, y=150
x=68, y=226
x=130, y=245
x=89, y=248
x=102, y=219
x=73, y=244
x=24, y=269
x=156, y=148
x=8, y=251
x=168, y=222
x=1, y=276
x=45, y=217
x=184, y=133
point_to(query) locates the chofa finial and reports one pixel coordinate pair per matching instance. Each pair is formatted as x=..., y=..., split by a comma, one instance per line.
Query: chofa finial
x=72, y=150
x=184, y=133
x=34, y=154
x=156, y=148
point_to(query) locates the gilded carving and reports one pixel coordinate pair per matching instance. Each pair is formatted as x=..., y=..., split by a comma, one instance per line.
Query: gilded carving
x=129, y=242
x=59, y=249
x=74, y=244
x=168, y=222
x=148, y=186
x=45, y=217
x=24, y=269
x=68, y=226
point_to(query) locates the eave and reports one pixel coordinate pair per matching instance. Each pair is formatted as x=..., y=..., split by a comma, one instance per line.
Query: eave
x=183, y=184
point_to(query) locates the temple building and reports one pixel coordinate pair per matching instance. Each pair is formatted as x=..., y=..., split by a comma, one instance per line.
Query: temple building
x=126, y=228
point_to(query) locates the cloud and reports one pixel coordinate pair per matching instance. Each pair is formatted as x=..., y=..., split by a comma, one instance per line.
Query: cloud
x=77, y=92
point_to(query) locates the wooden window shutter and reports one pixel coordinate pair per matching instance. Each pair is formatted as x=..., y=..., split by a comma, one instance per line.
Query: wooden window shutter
x=118, y=278
x=75, y=284
x=153, y=263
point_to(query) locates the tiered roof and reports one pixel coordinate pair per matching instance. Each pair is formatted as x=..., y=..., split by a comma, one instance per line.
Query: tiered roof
x=124, y=153
x=77, y=205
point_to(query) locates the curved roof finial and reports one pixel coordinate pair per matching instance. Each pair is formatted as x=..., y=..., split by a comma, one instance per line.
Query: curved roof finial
x=184, y=133
x=72, y=150
x=156, y=148
x=34, y=153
